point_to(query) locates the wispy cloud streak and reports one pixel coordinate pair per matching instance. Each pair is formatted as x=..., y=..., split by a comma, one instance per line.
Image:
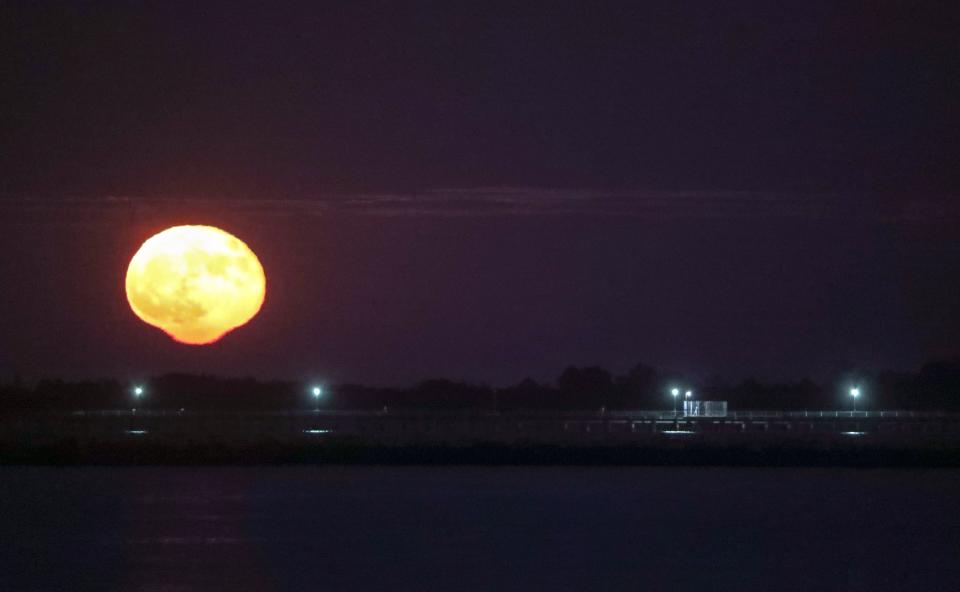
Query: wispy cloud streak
x=653, y=205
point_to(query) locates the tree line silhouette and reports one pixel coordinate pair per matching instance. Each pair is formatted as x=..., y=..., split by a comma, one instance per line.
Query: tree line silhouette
x=935, y=386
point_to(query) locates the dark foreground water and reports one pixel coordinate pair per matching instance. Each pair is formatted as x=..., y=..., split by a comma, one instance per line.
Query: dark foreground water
x=475, y=528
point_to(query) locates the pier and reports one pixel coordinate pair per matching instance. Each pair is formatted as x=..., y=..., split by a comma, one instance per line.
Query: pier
x=388, y=425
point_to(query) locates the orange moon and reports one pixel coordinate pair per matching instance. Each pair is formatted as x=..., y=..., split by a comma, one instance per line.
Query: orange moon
x=196, y=283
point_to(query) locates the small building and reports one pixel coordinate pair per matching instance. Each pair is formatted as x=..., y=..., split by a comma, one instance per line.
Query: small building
x=704, y=408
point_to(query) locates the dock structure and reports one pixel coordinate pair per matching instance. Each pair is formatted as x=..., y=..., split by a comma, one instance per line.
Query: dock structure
x=390, y=425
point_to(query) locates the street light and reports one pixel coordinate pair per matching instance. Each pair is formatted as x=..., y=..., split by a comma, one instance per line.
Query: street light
x=138, y=392
x=855, y=393
x=687, y=396
x=317, y=392
x=676, y=393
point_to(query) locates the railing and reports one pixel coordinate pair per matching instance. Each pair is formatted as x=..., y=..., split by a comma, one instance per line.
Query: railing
x=634, y=415
x=821, y=414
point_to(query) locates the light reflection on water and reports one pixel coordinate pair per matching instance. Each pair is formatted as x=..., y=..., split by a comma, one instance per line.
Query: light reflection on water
x=476, y=528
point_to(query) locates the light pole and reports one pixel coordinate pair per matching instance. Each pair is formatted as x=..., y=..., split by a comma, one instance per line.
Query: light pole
x=137, y=393
x=676, y=393
x=317, y=393
x=855, y=394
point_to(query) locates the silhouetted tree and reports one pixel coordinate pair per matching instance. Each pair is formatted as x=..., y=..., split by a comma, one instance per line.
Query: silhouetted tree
x=528, y=394
x=585, y=387
x=936, y=386
x=638, y=388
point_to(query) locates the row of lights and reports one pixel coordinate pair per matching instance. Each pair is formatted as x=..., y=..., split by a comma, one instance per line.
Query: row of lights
x=854, y=394
x=317, y=392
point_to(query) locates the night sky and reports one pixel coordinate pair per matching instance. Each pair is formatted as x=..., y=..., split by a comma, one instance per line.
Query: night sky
x=488, y=191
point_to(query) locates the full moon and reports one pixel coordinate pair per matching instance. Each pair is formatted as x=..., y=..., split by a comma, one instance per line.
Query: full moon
x=196, y=283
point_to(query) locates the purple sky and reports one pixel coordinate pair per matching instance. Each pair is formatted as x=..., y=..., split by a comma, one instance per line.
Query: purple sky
x=485, y=191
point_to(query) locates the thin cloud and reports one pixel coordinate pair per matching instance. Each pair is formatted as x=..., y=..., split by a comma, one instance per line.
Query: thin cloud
x=509, y=201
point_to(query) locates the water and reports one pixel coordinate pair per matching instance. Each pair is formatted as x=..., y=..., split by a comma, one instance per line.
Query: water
x=478, y=528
